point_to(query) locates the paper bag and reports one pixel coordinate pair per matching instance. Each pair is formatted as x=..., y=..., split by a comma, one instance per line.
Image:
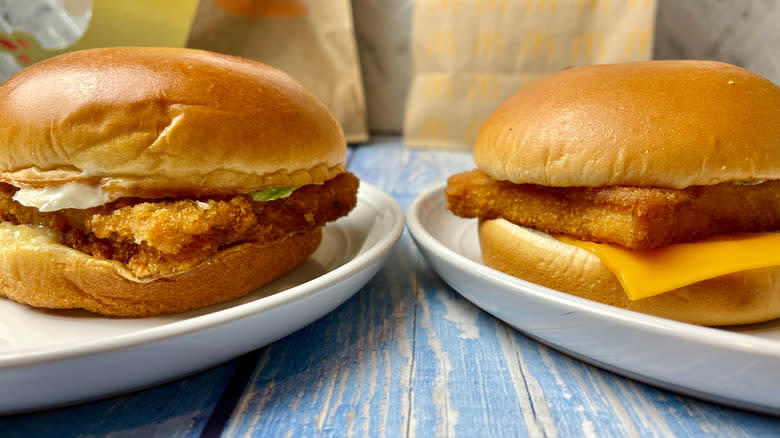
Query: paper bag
x=311, y=40
x=33, y=30
x=470, y=55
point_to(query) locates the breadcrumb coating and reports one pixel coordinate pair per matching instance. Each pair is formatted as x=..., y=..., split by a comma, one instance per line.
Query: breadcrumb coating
x=157, y=238
x=637, y=218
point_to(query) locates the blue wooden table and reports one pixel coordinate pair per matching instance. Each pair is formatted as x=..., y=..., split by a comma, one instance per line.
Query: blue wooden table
x=405, y=357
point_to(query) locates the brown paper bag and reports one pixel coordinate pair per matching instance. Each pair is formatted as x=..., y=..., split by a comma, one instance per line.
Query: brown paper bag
x=312, y=40
x=470, y=55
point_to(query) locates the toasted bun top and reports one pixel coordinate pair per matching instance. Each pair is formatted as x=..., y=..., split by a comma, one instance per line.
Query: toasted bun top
x=656, y=123
x=164, y=121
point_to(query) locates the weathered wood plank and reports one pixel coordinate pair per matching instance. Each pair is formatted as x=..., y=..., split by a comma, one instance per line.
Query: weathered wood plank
x=179, y=409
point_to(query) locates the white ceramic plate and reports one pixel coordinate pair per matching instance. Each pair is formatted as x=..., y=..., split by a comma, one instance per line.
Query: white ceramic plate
x=50, y=358
x=739, y=366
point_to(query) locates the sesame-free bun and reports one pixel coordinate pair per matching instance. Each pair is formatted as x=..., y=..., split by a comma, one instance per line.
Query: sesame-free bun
x=36, y=270
x=668, y=124
x=154, y=122
x=739, y=298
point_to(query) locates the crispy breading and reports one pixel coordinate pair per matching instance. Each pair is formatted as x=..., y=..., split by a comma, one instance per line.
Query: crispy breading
x=162, y=237
x=633, y=217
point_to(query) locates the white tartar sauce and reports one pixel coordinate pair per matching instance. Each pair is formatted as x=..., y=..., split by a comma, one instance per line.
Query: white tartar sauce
x=70, y=195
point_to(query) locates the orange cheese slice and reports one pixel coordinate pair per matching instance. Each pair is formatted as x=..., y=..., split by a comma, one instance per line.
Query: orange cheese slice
x=647, y=273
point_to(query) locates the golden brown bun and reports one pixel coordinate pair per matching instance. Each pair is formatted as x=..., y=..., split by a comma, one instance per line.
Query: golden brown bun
x=152, y=122
x=36, y=270
x=740, y=298
x=656, y=123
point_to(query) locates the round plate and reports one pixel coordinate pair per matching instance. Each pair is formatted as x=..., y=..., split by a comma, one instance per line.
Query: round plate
x=50, y=358
x=736, y=366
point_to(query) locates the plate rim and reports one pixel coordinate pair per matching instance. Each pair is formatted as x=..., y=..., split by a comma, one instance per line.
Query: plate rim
x=170, y=330
x=724, y=338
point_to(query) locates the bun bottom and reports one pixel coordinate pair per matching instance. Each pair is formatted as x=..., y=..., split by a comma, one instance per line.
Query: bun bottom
x=36, y=270
x=740, y=298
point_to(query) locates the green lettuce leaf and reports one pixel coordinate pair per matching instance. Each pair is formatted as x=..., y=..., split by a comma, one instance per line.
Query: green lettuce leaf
x=274, y=193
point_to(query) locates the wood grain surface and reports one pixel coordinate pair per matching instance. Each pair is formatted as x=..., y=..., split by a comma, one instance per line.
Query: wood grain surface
x=405, y=357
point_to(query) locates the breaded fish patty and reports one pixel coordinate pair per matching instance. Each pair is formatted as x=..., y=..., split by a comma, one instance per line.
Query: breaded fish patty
x=162, y=237
x=637, y=218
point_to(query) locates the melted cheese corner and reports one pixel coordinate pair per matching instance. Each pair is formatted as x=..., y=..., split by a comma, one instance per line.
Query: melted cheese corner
x=71, y=195
x=647, y=273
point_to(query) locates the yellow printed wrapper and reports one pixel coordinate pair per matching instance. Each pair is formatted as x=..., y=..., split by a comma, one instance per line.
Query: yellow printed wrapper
x=33, y=30
x=471, y=55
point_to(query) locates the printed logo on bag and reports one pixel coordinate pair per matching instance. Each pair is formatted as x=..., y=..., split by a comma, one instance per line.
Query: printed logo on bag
x=592, y=5
x=541, y=5
x=537, y=43
x=638, y=39
x=488, y=43
x=483, y=86
x=437, y=86
x=491, y=5
x=435, y=129
x=440, y=43
x=444, y=5
x=589, y=44
x=263, y=8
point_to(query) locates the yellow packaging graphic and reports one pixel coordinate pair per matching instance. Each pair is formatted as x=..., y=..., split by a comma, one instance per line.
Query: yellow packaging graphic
x=468, y=56
x=33, y=30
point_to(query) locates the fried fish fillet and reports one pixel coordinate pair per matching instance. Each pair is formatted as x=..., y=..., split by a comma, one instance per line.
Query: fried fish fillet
x=637, y=218
x=162, y=237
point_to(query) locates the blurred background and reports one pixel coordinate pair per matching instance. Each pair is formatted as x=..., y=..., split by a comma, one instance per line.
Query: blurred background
x=430, y=69
x=741, y=32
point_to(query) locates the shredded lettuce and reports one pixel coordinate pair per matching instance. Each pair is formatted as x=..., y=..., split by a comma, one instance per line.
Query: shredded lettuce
x=274, y=193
